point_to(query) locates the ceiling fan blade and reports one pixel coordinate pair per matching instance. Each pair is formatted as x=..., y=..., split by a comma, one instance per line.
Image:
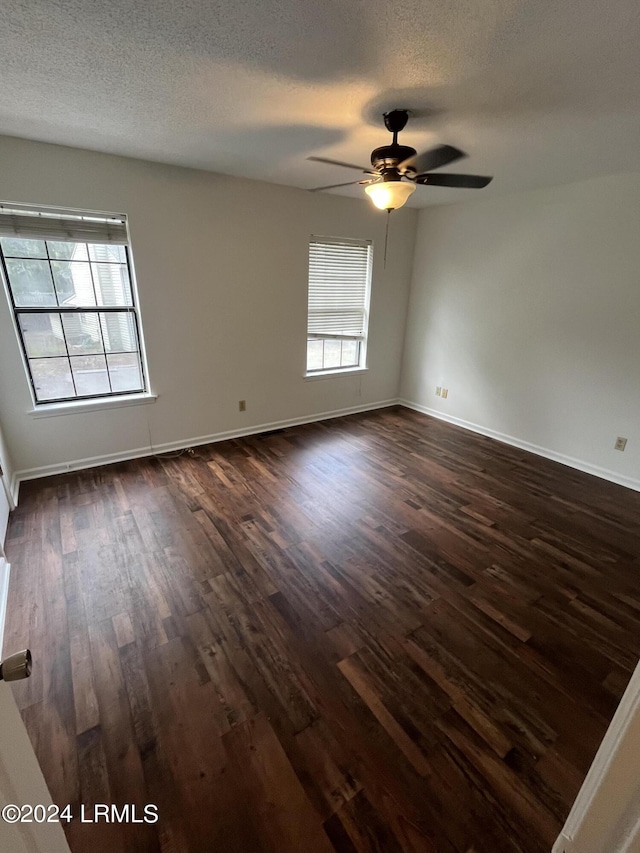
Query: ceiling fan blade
x=471, y=182
x=432, y=159
x=340, y=163
x=335, y=186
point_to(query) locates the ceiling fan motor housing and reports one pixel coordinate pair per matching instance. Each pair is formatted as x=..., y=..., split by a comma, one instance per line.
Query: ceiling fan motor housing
x=386, y=158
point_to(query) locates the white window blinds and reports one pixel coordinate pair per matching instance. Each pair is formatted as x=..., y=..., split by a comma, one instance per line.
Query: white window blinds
x=339, y=273
x=42, y=224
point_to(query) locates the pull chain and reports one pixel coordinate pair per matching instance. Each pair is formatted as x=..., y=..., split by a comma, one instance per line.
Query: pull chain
x=386, y=238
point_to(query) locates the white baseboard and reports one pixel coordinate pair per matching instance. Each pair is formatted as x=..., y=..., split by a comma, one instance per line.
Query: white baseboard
x=14, y=488
x=107, y=458
x=5, y=570
x=138, y=452
x=570, y=461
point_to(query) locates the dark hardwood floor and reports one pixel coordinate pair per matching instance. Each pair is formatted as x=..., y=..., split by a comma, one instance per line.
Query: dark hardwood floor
x=378, y=633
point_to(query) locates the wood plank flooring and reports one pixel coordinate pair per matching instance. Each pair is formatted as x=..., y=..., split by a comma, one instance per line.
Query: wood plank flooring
x=378, y=633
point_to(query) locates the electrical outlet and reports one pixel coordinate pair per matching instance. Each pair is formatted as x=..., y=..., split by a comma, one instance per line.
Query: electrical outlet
x=242, y=405
x=438, y=391
x=445, y=392
x=620, y=444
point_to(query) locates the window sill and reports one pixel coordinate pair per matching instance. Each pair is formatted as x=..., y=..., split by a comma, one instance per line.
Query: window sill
x=74, y=407
x=343, y=371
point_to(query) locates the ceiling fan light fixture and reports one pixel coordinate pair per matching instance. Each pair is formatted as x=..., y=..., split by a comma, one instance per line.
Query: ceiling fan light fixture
x=390, y=195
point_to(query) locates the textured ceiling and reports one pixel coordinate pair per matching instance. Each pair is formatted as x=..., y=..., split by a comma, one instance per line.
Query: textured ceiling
x=538, y=92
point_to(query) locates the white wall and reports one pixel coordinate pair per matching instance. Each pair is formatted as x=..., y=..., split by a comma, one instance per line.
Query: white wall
x=527, y=308
x=6, y=504
x=221, y=266
x=6, y=501
x=21, y=781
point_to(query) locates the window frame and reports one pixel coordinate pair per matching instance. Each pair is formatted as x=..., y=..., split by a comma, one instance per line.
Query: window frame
x=80, y=402
x=361, y=365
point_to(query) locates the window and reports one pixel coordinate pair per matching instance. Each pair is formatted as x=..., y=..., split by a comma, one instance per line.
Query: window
x=69, y=281
x=339, y=286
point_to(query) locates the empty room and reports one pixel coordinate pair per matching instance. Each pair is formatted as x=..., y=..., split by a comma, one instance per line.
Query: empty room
x=320, y=427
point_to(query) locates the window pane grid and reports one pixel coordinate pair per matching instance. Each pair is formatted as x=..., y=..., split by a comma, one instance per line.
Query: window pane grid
x=90, y=372
x=332, y=353
x=25, y=270
x=74, y=351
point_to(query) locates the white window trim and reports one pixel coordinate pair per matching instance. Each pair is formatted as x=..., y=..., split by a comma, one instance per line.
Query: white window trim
x=75, y=407
x=335, y=371
x=112, y=401
x=362, y=367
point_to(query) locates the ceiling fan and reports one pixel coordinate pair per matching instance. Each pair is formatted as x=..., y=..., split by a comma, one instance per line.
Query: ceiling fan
x=397, y=169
